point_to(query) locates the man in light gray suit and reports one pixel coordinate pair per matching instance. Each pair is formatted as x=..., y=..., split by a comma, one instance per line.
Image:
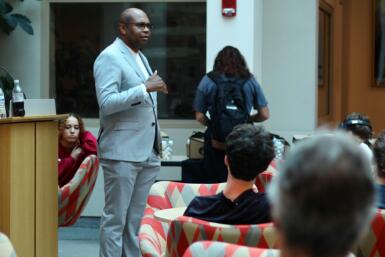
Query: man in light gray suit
x=128, y=140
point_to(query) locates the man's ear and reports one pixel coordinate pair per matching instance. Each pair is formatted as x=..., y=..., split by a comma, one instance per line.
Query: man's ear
x=226, y=160
x=122, y=29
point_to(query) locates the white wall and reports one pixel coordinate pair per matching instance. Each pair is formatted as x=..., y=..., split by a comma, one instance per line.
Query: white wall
x=238, y=31
x=258, y=40
x=289, y=59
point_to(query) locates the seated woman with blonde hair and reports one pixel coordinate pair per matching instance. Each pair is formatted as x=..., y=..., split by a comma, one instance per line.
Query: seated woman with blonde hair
x=75, y=144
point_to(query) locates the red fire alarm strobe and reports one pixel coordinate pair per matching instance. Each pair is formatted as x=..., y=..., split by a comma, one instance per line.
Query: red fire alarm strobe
x=229, y=8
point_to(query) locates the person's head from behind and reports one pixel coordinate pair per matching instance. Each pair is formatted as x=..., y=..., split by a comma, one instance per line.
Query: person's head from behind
x=231, y=62
x=379, y=155
x=70, y=129
x=359, y=125
x=249, y=151
x=323, y=198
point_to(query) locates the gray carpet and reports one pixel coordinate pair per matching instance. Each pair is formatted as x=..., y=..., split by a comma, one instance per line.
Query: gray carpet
x=80, y=239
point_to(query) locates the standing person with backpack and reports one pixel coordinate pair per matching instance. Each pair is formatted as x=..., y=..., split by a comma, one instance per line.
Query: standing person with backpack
x=224, y=99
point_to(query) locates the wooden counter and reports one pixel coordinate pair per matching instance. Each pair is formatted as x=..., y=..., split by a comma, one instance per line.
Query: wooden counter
x=28, y=189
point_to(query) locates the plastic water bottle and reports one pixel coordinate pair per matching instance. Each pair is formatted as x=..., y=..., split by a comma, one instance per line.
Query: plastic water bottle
x=3, y=113
x=17, y=99
x=170, y=147
x=167, y=145
x=279, y=148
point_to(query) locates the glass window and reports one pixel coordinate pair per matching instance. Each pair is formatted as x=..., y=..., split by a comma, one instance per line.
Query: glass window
x=177, y=49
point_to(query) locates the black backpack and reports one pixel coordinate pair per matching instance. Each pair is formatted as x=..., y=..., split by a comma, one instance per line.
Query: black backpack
x=229, y=105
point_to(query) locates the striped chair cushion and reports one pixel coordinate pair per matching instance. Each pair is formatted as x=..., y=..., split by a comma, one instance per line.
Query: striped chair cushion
x=373, y=244
x=221, y=249
x=186, y=230
x=262, y=180
x=74, y=196
x=273, y=166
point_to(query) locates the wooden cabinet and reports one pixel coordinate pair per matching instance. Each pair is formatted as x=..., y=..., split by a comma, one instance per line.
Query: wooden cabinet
x=28, y=189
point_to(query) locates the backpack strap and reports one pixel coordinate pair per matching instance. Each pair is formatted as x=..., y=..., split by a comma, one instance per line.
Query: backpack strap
x=214, y=76
x=217, y=78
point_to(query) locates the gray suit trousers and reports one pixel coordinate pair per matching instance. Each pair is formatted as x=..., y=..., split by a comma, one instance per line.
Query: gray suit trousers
x=126, y=187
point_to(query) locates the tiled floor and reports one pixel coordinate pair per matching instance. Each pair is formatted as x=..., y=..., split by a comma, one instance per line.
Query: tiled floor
x=81, y=239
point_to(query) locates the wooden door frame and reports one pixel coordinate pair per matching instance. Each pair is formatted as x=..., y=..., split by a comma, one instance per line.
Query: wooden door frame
x=335, y=8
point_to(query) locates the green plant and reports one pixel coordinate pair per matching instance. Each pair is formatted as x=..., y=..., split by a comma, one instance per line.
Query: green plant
x=6, y=83
x=8, y=23
x=9, y=20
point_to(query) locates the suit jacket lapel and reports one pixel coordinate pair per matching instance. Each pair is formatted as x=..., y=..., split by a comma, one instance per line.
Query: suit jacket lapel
x=147, y=66
x=131, y=60
x=129, y=57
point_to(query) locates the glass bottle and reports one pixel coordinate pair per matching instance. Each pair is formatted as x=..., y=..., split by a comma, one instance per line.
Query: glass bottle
x=17, y=99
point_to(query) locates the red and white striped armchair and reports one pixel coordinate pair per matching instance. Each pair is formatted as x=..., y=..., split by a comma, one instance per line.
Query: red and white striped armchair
x=165, y=195
x=74, y=196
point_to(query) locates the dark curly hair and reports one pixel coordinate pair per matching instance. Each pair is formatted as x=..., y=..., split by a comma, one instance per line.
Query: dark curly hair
x=249, y=150
x=359, y=125
x=379, y=154
x=231, y=62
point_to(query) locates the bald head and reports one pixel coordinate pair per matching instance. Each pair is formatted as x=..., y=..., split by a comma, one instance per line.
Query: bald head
x=130, y=14
x=134, y=28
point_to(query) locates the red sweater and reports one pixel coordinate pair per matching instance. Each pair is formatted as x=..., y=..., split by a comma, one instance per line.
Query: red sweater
x=67, y=165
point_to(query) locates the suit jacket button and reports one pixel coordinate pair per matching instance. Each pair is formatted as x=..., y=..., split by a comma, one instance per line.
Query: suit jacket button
x=153, y=124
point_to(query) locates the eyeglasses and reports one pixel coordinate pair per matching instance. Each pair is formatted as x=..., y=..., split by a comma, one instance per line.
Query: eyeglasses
x=143, y=25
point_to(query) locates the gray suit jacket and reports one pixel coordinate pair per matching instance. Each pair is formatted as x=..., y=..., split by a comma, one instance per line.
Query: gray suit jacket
x=128, y=122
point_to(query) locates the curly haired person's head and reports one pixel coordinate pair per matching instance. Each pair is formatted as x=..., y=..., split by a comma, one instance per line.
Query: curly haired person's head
x=70, y=128
x=249, y=151
x=231, y=62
